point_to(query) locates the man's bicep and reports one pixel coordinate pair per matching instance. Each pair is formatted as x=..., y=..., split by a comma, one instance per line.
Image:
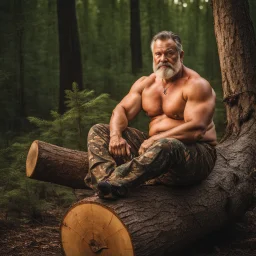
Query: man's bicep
x=200, y=107
x=131, y=103
x=201, y=113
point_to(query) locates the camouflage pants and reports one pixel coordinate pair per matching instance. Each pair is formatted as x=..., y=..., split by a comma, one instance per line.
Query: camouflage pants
x=168, y=161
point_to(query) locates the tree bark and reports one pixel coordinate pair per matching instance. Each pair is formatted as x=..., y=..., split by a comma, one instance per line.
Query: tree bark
x=69, y=49
x=135, y=38
x=237, y=53
x=19, y=26
x=152, y=220
x=47, y=162
x=155, y=220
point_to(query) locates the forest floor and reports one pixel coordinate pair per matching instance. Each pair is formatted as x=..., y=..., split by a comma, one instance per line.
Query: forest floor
x=41, y=238
x=31, y=238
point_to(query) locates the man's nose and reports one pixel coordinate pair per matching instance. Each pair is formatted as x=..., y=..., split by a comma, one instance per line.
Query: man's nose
x=163, y=58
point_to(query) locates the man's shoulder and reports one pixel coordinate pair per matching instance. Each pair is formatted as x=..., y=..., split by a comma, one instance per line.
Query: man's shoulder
x=141, y=78
x=198, y=86
x=142, y=83
x=199, y=82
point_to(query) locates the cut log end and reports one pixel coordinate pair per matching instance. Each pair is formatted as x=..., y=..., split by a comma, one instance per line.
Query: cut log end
x=93, y=229
x=32, y=159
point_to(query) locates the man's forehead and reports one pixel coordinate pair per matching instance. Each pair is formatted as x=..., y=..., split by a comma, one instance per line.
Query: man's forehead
x=164, y=44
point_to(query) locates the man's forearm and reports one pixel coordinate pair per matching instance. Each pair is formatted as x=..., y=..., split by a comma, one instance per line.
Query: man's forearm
x=118, y=121
x=187, y=132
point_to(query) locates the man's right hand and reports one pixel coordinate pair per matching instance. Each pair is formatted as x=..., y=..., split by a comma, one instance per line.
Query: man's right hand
x=118, y=146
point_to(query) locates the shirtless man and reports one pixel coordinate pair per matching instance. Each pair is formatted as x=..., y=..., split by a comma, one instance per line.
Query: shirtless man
x=180, y=147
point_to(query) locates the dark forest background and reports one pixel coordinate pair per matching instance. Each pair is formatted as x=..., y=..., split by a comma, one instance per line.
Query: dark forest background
x=64, y=64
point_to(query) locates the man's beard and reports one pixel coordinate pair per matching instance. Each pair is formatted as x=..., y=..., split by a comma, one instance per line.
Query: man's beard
x=168, y=71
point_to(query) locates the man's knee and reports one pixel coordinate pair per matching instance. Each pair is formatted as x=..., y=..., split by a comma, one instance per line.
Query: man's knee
x=169, y=144
x=98, y=128
x=97, y=131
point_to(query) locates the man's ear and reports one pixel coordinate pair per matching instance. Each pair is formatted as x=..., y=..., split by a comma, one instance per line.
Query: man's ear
x=181, y=56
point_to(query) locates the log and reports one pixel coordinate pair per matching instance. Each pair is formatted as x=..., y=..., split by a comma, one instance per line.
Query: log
x=157, y=220
x=153, y=220
x=47, y=162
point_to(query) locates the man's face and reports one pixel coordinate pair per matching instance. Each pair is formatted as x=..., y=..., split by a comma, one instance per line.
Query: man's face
x=167, y=61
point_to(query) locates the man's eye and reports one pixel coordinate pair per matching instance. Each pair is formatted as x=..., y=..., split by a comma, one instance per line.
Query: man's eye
x=158, y=54
x=170, y=53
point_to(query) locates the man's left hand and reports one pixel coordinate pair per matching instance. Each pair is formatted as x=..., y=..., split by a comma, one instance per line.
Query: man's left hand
x=145, y=145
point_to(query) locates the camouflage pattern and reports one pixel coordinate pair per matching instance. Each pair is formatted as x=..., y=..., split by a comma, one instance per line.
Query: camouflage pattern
x=168, y=161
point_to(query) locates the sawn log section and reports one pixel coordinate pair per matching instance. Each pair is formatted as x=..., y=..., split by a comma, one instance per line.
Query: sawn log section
x=153, y=220
x=58, y=165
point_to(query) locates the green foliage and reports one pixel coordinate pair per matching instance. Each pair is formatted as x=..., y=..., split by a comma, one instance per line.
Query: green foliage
x=20, y=195
x=71, y=129
x=30, y=54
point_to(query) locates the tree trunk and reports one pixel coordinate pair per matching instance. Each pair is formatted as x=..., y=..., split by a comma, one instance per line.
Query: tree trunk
x=58, y=165
x=69, y=49
x=152, y=220
x=135, y=38
x=237, y=52
x=159, y=220
x=19, y=26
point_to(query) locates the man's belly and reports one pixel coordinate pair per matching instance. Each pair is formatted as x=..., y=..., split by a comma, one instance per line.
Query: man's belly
x=164, y=123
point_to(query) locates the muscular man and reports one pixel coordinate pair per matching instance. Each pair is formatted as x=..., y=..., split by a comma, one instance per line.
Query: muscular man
x=179, y=149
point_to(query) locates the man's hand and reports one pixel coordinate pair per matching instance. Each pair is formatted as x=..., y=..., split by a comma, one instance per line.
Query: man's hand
x=118, y=146
x=145, y=145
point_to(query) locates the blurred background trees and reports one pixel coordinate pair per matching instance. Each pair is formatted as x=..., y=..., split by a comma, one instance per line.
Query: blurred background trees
x=101, y=46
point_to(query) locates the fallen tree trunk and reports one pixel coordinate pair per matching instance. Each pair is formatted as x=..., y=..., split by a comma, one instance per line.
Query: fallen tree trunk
x=58, y=165
x=154, y=220
x=158, y=220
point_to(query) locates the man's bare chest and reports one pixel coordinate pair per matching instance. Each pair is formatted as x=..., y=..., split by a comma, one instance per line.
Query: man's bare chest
x=155, y=102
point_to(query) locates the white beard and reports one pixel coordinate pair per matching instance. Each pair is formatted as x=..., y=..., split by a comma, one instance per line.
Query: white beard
x=167, y=72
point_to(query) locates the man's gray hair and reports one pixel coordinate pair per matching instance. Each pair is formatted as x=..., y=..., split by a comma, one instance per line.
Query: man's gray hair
x=165, y=35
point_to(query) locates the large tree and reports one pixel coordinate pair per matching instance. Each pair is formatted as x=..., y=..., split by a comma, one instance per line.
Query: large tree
x=135, y=38
x=69, y=50
x=19, y=22
x=158, y=220
x=237, y=53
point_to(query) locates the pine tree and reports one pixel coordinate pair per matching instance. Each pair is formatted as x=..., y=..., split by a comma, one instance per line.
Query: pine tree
x=19, y=195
